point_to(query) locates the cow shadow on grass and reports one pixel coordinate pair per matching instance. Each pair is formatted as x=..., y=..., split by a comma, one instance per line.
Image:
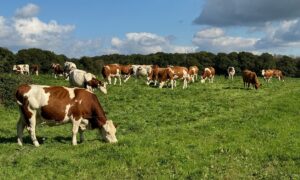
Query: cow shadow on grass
x=68, y=139
x=233, y=87
x=26, y=140
x=63, y=139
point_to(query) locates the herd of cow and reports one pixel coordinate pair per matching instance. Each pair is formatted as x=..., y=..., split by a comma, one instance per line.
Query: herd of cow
x=80, y=106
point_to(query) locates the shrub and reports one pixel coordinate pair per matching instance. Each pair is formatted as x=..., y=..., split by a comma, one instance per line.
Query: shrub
x=8, y=86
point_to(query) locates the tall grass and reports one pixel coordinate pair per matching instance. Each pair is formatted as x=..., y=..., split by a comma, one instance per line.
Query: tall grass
x=218, y=130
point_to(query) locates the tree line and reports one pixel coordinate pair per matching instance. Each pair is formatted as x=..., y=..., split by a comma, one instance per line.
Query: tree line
x=221, y=61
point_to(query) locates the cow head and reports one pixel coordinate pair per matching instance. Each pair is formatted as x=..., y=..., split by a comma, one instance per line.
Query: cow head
x=102, y=86
x=257, y=85
x=95, y=83
x=108, y=132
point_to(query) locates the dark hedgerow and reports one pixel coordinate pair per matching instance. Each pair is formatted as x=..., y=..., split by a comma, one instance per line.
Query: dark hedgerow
x=8, y=86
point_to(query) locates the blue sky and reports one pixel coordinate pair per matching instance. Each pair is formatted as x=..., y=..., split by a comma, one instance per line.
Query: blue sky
x=96, y=27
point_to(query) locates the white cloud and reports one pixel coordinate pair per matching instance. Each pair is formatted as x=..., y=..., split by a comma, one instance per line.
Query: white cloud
x=34, y=32
x=146, y=43
x=29, y=10
x=5, y=30
x=215, y=40
x=284, y=35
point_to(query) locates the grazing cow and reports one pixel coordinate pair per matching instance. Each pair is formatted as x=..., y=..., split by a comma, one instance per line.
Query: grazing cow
x=250, y=77
x=58, y=105
x=80, y=78
x=161, y=75
x=141, y=70
x=231, y=72
x=35, y=69
x=269, y=73
x=69, y=66
x=126, y=72
x=21, y=68
x=180, y=73
x=57, y=70
x=153, y=75
x=208, y=73
x=111, y=70
x=193, y=72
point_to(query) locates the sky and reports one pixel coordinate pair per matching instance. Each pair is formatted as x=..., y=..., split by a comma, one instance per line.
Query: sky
x=97, y=27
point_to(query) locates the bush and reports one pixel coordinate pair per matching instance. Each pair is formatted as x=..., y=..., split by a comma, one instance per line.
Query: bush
x=8, y=86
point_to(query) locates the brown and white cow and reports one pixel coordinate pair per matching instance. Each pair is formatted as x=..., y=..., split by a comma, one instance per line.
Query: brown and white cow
x=57, y=70
x=230, y=72
x=80, y=78
x=35, y=69
x=161, y=75
x=21, y=68
x=58, y=105
x=180, y=73
x=250, y=77
x=208, y=73
x=269, y=73
x=111, y=71
x=126, y=72
x=193, y=72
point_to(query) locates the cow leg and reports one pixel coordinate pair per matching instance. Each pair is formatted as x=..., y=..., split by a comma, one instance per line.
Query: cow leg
x=172, y=83
x=120, y=80
x=161, y=84
x=32, y=122
x=76, y=124
x=184, y=84
x=175, y=83
x=20, y=129
x=81, y=134
x=109, y=80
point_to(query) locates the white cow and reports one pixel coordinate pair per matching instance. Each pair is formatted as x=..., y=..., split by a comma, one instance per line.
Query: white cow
x=141, y=70
x=69, y=66
x=231, y=72
x=21, y=68
x=80, y=78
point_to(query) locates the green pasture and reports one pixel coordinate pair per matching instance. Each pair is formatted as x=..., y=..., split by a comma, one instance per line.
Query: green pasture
x=209, y=131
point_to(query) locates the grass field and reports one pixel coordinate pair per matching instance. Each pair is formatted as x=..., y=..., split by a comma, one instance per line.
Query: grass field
x=213, y=131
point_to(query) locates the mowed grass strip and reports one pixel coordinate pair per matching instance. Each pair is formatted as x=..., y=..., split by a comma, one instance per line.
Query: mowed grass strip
x=218, y=130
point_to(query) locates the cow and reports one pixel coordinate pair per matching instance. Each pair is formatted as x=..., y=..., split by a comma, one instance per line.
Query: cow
x=111, y=70
x=80, y=78
x=250, y=77
x=35, y=69
x=141, y=70
x=208, y=73
x=57, y=70
x=126, y=72
x=21, y=68
x=193, y=72
x=180, y=73
x=161, y=75
x=230, y=72
x=58, y=105
x=269, y=73
x=69, y=66
x=153, y=75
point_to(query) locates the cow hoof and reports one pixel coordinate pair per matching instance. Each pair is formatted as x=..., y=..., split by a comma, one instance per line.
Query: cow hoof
x=36, y=143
